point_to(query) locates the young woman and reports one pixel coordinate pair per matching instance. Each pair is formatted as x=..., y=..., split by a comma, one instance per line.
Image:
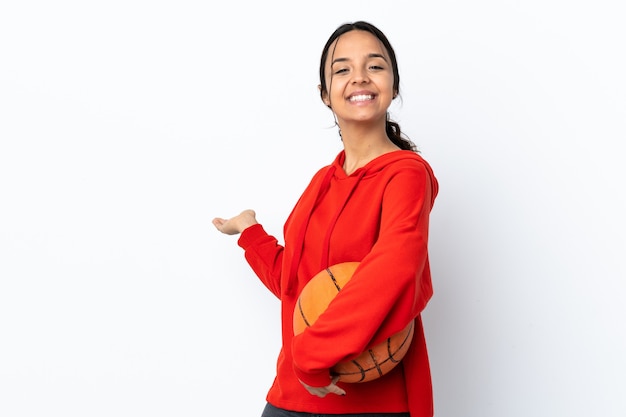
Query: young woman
x=370, y=205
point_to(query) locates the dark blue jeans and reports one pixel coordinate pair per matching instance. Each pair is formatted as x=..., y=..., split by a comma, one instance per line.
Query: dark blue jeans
x=271, y=411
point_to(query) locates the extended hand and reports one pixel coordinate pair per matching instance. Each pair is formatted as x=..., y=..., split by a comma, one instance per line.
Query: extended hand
x=236, y=224
x=321, y=392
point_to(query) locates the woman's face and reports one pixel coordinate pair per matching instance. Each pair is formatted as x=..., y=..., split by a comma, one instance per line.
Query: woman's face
x=359, y=77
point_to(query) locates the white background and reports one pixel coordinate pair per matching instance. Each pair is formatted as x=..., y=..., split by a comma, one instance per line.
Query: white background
x=126, y=126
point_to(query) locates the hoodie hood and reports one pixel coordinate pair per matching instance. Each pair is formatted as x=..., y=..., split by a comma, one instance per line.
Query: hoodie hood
x=379, y=163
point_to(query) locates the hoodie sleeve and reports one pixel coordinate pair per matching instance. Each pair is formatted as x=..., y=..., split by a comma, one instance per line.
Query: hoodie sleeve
x=264, y=255
x=391, y=286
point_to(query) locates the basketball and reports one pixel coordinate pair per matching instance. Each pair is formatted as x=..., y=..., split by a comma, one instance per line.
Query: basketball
x=315, y=298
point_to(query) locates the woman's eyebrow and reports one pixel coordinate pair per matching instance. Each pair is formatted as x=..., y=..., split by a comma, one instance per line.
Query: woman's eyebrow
x=377, y=55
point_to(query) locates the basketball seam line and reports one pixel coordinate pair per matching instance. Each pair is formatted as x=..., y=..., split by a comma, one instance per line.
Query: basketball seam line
x=302, y=314
x=332, y=277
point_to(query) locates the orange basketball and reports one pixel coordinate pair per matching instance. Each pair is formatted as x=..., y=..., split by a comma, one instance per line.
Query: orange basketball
x=315, y=298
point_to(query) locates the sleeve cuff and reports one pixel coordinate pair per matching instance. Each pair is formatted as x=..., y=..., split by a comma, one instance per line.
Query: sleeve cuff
x=320, y=379
x=250, y=235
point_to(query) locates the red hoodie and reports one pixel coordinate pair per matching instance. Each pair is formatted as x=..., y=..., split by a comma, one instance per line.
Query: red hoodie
x=377, y=216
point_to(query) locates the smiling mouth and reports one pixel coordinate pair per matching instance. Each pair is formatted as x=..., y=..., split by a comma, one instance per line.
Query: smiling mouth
x=361, y=97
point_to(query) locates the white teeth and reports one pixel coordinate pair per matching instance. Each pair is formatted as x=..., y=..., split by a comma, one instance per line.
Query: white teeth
x=361, y=97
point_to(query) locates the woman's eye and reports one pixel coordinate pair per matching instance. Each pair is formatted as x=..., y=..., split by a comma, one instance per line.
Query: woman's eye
x=341, y=70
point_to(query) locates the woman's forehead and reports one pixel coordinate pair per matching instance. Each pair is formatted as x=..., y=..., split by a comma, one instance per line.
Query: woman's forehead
x=357, y=41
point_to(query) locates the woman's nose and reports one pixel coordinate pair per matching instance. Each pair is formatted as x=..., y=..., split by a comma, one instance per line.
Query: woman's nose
x=359, y=76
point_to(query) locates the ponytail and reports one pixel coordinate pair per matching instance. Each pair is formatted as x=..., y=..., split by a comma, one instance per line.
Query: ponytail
x=397, y=137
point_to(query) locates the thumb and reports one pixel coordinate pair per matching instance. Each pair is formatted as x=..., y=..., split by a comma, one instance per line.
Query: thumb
x=334, y=388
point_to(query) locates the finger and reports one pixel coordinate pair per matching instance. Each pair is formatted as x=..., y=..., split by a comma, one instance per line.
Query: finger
x=335, y=389
x=320, y=392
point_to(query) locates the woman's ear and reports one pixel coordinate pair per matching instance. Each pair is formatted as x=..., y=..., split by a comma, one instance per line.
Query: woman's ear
x=324, y=95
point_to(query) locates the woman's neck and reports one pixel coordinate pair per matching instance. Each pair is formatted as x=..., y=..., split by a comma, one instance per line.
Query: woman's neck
x=362, y=146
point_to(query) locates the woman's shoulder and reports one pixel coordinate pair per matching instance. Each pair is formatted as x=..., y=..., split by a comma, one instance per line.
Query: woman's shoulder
x=401, y=161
